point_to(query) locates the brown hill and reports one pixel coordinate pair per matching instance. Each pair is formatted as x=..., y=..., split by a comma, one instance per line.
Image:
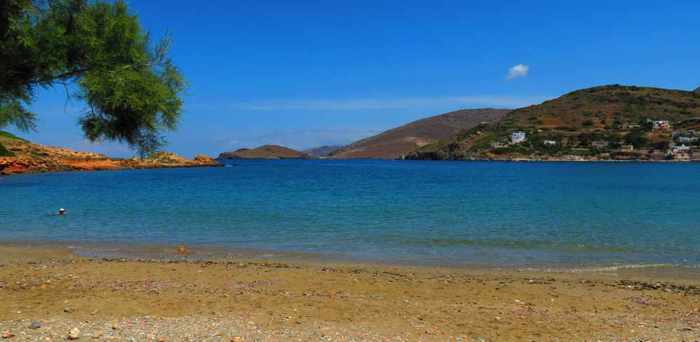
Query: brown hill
x=590, y=123
x=264, y=152
x=21, y=156
x=397, y=142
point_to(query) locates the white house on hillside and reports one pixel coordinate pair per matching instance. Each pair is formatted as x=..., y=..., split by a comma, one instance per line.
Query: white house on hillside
x=662, y=124
x=518, y=137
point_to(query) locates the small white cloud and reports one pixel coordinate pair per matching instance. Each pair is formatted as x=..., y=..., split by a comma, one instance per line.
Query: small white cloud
x=517, y=71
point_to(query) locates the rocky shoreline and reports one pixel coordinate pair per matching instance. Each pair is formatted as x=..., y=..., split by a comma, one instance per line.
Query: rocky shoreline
x=28, y=157
x=20, y=165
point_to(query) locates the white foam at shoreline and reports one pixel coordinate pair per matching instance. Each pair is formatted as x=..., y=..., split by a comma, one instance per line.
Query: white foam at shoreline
x=611, y=268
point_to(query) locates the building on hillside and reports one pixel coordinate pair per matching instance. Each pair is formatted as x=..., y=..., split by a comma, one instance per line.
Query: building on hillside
x=681, y=152
x=518, y=137
x=680, y=148
x=686, y=140
x=549, y=143
x=627, y=148
x=600, y=144
x=695, y=154
x=661, y=125
x=580, y=151
x=498, y=145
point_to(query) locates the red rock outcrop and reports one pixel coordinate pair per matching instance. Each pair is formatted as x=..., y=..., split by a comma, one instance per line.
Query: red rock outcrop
x=29, y=157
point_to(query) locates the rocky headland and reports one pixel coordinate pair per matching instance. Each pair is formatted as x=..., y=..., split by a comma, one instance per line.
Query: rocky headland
x=21, y=156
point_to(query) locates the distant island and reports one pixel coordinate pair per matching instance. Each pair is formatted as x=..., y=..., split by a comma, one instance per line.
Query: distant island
x=18, y=155
x=264, y=152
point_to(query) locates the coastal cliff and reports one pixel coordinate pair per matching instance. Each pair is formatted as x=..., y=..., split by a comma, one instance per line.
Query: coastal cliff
x=21, y=156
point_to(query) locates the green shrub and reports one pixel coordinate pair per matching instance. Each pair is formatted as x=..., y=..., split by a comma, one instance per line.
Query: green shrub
x=5, y=152
x=637, y=138
x=9, y=135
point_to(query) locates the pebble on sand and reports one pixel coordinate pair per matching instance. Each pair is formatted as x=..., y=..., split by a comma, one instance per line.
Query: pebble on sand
x=183, y=250
x=74, y=334
x=35, y=325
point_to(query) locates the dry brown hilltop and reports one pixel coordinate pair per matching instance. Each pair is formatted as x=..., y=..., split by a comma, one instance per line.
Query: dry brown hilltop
x=395, y=143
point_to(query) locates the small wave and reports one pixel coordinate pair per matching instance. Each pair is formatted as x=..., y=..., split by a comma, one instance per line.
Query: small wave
x=511, y=244
x=610, y=268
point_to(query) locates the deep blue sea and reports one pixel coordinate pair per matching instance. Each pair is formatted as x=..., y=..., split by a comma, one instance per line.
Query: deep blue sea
x=413, y=212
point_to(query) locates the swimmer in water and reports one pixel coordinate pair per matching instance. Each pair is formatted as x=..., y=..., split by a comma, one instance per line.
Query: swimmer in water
x=61, y=212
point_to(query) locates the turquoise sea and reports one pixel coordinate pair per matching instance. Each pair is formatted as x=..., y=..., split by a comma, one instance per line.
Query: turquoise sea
x=412, y=212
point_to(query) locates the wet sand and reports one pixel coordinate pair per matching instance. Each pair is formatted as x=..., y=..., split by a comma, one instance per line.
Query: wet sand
x=249, y=299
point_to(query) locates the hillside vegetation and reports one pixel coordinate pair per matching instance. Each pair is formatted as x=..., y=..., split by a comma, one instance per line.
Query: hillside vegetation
x=397, y=142
x=608, y=122
x=6, y=136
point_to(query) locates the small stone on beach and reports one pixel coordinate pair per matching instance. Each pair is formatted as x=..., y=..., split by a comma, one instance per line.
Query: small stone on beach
x=183, y=250
x=74, y=334
x=35, y=325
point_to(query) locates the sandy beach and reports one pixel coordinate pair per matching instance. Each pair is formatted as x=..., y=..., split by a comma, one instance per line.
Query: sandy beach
x=48, y=291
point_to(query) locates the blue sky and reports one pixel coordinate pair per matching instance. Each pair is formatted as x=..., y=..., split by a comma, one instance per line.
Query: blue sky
x=308, y=73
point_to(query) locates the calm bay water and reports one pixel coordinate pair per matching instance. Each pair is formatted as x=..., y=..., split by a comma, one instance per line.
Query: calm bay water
x=448, y=213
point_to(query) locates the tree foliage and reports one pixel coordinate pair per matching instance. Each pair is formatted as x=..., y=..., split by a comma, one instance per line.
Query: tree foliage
x=100, y=52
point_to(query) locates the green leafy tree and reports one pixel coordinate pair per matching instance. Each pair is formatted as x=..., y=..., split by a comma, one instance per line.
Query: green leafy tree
x=637, y=138
x=99, y=51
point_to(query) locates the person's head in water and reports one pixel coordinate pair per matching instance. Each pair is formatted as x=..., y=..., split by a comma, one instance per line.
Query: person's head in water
x=61, y=211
